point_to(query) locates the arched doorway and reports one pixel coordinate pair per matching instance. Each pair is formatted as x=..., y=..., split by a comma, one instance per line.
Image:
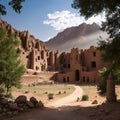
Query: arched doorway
x=77, y=75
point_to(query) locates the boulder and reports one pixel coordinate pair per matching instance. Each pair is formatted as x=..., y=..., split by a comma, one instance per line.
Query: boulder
x=4, y=101
x=95, y=102
x=30, y=104
x=39, y=105
x=33, y=100
x=13, y=106
x=21, y=99
x=20, y=105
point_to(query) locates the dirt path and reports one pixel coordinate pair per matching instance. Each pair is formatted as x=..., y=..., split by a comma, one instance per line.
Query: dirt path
x=68, y=99
x=72, y=110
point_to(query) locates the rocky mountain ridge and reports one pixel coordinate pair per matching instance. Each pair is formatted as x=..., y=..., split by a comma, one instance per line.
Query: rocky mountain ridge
x=76, y=36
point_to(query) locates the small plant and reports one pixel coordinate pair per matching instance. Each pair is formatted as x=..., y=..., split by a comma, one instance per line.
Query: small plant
x=85, y=97
x=50, y=96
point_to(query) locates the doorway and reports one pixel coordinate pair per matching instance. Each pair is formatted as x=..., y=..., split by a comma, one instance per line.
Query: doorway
x=77, y=75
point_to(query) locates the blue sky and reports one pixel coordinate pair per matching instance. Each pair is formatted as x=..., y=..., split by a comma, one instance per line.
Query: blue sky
x=45, y=18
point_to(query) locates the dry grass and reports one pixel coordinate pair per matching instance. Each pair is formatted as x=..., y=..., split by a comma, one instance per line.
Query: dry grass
x=41, y=91
x=93, y=94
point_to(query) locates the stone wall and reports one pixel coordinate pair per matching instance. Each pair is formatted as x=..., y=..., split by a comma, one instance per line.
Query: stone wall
x=84, y=66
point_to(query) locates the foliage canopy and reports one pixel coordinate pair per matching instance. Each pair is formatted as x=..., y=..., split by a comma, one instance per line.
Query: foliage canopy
x=11, y=68
x=15, y=4
x=110, y=47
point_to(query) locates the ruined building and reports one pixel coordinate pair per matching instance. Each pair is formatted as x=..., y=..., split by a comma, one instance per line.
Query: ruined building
x=74, y=66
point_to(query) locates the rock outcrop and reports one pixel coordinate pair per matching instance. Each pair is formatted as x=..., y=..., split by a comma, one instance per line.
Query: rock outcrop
x=33, y=52
x=20, y=104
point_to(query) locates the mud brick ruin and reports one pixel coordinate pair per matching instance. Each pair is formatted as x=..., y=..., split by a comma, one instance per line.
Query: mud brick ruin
x=78, y=65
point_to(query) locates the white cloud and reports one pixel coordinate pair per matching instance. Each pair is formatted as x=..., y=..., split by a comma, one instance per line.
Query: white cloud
x=61, y=20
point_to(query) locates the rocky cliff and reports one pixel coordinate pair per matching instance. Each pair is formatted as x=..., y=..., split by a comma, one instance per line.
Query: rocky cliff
x=28, y=42
x=33, y=53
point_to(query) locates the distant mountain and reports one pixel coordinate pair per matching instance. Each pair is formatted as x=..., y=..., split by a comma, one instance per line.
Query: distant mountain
x=81, y=36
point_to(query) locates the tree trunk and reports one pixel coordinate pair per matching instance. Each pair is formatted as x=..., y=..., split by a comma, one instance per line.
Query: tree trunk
x=111, y=97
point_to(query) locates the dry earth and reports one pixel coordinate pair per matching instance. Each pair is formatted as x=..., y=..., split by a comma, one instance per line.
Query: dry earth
x=76, y=110
x=68, y=99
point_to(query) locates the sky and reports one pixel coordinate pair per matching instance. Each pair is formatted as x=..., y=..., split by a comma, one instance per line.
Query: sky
x=46, y=18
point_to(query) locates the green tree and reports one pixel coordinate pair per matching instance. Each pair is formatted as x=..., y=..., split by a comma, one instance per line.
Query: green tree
x=110, y=47
x=11, y=68
x=15, y=4
x=103, y=73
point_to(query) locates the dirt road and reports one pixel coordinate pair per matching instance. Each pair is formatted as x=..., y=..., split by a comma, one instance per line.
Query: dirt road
x=68, y=99
x=71, y=110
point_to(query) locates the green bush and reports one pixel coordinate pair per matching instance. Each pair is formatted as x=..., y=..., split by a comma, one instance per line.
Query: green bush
x=103, y=73
x=85, y=97
x=102, y=87
x=50, y=96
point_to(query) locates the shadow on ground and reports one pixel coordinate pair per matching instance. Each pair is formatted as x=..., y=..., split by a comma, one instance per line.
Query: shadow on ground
x=106, y=111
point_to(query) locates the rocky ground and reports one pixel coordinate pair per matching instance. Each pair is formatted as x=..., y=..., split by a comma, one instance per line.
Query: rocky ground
x=75, y=110
x=10, y=108
x=99, y=112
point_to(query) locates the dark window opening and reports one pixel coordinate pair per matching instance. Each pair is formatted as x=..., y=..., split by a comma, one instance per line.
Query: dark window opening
x=38, y=57
x=93, y=64
x=42, y=54
x=94, y=54
x=48, y=61
x=77, y=75
x=37, y=68
x=68, y=65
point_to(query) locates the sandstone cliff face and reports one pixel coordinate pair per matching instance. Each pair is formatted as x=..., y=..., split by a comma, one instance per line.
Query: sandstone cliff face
x=82, y=36
x=33, y=52
x=28, y=42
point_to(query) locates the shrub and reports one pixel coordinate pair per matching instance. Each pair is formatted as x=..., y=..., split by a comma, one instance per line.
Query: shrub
x=50, y=96
x=103, y=73
x=102, y=87
x=85, y=97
